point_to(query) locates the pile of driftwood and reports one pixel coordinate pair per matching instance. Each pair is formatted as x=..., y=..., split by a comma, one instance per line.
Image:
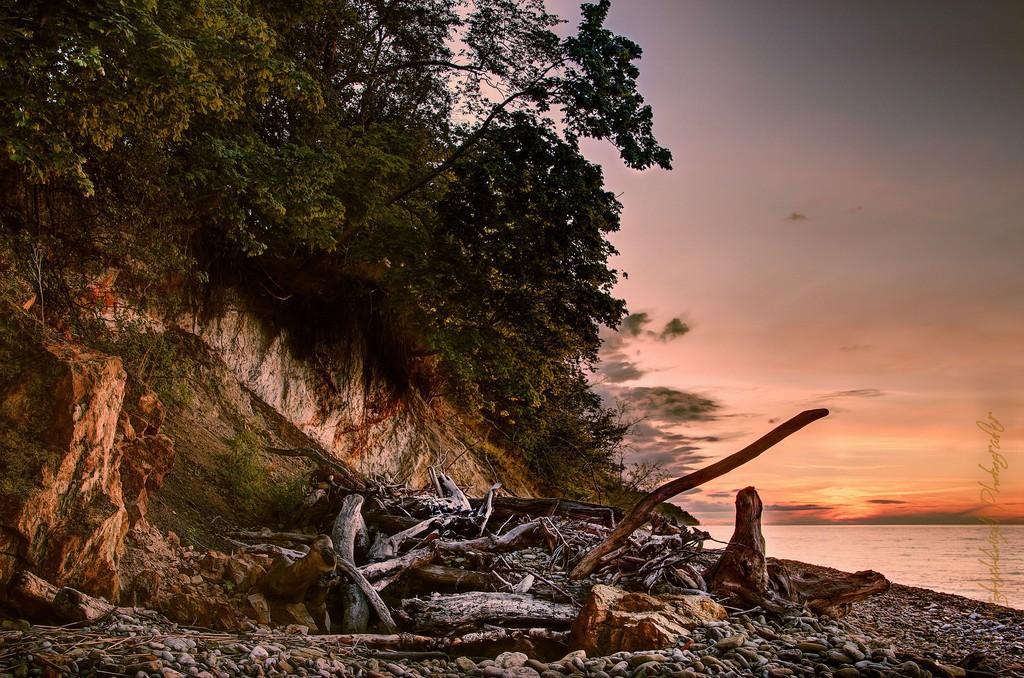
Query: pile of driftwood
x=389, y=567
x=401, y=568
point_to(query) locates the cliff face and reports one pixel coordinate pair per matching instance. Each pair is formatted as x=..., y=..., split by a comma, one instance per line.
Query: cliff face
x=336, y=411
x=78, y=457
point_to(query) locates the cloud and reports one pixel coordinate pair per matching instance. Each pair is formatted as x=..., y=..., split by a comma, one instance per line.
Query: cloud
x=617, y=368
x=886, y=501
x=854, y=347
x=796, y=216
x=668, y=405
x=852, y=393
x=634, y=324
x=674, y=329
x=798, y=508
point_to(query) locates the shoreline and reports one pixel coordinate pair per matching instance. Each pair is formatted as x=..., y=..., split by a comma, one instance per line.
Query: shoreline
x=906, y=631
x=946, y=626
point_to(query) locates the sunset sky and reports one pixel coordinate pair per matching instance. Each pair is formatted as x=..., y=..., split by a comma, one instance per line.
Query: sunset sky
x=844, y=228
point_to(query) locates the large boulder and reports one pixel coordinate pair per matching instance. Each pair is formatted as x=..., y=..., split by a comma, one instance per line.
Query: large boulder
x=64, y=502
x=613, y=620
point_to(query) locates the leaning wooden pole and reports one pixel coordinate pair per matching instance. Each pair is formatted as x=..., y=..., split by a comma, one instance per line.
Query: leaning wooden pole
x=640, y=513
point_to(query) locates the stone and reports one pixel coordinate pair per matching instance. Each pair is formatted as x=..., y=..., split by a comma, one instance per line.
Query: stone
x=465, y=663
x=508, y=660
x=846, y=672
x=613, y=620
x=731, y=643
x=213, y=565
x=260, y=607
x=243, y=571
x=67, y=506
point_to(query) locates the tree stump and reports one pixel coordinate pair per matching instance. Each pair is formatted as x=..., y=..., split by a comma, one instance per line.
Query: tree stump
x=749, y=578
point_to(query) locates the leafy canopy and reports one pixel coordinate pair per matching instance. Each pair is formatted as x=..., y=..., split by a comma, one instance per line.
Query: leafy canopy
x=417, y=158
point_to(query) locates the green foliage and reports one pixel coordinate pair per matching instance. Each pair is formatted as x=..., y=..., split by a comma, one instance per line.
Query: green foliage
x=285, y=494
x=416, y=161
x=242, y=467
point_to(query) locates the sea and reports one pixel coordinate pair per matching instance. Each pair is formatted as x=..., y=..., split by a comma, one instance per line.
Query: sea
x=948, y=558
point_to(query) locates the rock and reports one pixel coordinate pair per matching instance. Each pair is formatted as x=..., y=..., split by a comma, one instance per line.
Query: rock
x=508, y=660
x=613, y=620
x=213, y=565
x=465, y=664
x=807, y=646
x=66, y=502
x=846, y=672
x=258, y=653
x=731, y=643
x=260, y=607
x=699, y=608
x=911, y=669
x=243, y=571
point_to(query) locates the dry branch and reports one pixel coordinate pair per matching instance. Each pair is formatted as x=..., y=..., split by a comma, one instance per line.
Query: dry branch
x=640, y=513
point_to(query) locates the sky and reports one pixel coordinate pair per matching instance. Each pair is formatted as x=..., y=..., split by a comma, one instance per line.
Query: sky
x=843, y=228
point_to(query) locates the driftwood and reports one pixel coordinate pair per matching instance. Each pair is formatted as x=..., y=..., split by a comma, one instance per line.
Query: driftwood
x=443, y=614
x=518, y=537
x=387, y=547
x=276, y=537
x=442, y=578
x=741, y=573
x=640, y=513
x=40, y=600
x=349, y=529
x=452, y=491
x=289, y=580
x=389, y=570
x=484, y=510
x=834, y=594
x=372, y=597
x=746, y=576
x=508, y=507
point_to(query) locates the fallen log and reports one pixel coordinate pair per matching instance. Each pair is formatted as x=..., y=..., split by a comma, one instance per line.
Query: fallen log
x=349, y=529
x=441, y=578
x=834, y=594
x=387, y=547
x=483, y=511
x=40, y=600
x=454, y=492
x=640, y=513
x=275, y=537
x=385, y=572
x=444, y=614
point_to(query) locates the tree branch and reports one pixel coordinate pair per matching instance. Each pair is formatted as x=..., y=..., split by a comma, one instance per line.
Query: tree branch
x=639, y=514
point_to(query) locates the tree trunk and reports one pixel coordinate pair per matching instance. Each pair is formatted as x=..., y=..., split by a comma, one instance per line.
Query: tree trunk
x=445, y=579
x=443, y=614
x=349, y=529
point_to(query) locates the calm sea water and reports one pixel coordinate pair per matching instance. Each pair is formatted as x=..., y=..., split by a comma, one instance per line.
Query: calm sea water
x=939, y=557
